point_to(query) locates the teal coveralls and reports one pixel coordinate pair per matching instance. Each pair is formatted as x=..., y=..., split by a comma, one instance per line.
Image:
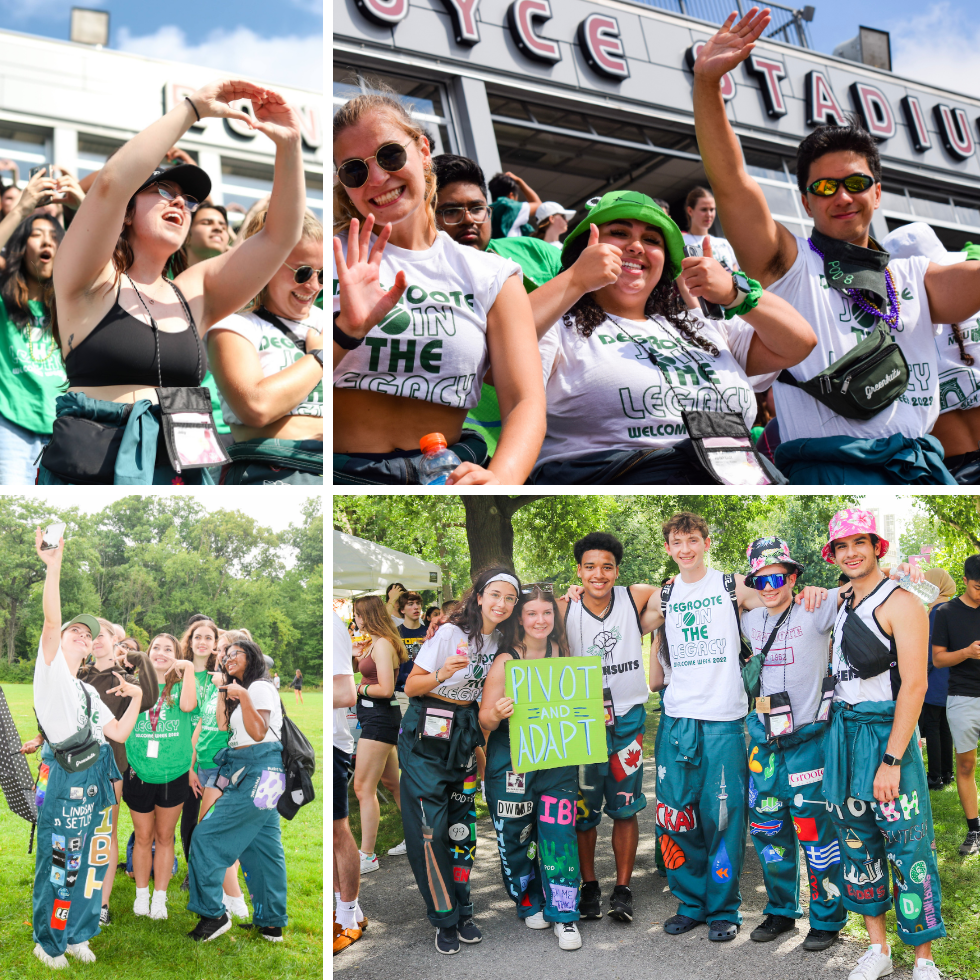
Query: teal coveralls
x=876, y=835
x=788, y=811
x=74, y=834
x=702, y=814
x=535, y=833
x=243, y=825
x=438, y=785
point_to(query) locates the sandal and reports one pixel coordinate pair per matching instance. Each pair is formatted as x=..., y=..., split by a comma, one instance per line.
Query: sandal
x=344, y=938
x=678, y=924
x=721, y=931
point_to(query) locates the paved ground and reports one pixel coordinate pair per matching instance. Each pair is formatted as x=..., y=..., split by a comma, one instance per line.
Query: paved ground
x=399, y=943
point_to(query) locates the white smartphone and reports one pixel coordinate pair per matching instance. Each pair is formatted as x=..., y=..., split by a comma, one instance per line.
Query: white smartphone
x=52, y=534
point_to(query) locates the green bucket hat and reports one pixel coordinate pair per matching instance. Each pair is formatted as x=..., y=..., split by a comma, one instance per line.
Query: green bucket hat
x=634, y=206
x=85, y=619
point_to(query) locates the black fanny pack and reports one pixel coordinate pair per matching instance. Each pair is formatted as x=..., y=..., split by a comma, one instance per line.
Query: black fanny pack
x=864, y=382
x=83, y=450
x=80, y=751
x=864, y=652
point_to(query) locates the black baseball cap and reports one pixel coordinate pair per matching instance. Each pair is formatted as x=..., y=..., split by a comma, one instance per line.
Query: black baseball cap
x=193, y=180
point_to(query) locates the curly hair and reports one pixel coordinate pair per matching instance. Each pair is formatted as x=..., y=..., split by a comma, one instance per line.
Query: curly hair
x=468, y=615
x=664, y=301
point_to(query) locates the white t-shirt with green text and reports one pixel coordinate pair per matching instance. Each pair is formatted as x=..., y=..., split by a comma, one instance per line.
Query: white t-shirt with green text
x=59, y=700
x=466, y=684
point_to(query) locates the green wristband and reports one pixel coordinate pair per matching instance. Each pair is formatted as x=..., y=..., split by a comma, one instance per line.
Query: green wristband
x=749, y=303
x=972, y=251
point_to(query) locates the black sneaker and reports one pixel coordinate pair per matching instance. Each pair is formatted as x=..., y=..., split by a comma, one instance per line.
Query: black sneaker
x=771, y=927
x=589, y=906
x=935, y=783
x=104, y=917
x=447, y=940
x=621, y=904
x=468, y=931
x=208, y=929
x=272, y=933
x=971, y=843
x=817, y=939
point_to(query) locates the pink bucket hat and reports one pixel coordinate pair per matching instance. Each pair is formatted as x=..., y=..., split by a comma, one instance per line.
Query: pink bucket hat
x=847, y=522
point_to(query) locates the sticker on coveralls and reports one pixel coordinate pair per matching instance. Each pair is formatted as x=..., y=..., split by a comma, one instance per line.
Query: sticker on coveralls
x=515, y=782
x=676, y=821
x=661, y=772
x=563, y=897
x=806, y=828
x=57, y=876
x=58, y=842
x=58, y=858
x=76, y=793
x=768, y=804
x=753, y=765
x=524, y=881
x=805, y=778
x=59, y=914
x=270, y=786
x=910, y=905
x=771, y=853
x=918, y=872
x=75, y=844
x=532, y=850
x=770, y=770
x=526, y=832
x=74, y=862
x=506, y=808
x=459, y=831
x=721, y=867
x=753, y=792
x=765, y=828
x=63, y=893
x=461, y=874
x=469, y=785
x=92, y=790
x=627, y=760
x=71, y=878
x=821, y=858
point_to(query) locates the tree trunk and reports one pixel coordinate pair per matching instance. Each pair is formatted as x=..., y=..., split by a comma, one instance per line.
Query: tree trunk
x=490, y=531
x=447, y=581
x=11, y=630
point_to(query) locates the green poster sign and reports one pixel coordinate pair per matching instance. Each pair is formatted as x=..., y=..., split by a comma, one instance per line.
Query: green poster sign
x=558, y=715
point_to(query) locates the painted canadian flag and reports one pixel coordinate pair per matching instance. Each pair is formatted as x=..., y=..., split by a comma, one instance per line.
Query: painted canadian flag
x=626, y=761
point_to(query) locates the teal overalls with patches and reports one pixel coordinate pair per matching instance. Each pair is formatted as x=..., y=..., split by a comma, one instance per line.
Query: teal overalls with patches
x=74, y=835
x=438, y=785
x=533, y=814
x=874, y=836
x=788, y=811
x=702, y=815
x=243, y=825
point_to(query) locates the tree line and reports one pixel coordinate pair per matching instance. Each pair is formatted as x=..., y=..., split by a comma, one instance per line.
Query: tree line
x=151, y=562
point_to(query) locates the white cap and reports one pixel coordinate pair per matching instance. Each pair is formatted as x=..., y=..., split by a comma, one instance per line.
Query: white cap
x=918, y=238
x=547, y=208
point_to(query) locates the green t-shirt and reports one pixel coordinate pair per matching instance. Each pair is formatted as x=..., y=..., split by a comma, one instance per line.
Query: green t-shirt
x=32, y=370
x=219, y=420
x=211, y=739
x=172, y=738
x=540, y=262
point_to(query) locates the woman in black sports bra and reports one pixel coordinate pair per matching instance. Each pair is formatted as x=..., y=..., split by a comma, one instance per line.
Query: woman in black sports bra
x=131, y=337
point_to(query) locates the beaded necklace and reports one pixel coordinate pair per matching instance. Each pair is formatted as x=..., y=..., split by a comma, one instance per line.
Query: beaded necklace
x=891, y=318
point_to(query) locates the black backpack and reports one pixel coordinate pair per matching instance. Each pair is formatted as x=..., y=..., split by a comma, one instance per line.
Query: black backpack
x=299, y=763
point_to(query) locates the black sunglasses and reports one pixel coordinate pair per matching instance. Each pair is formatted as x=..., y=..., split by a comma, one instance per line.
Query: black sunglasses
x=390, y=157
x=546, y=587
x=304, y=273
x=853, y=184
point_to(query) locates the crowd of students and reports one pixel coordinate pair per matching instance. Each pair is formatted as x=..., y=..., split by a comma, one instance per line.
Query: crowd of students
x=188, y=732
x=140, y=344
x=828, y=685
x=857, y=344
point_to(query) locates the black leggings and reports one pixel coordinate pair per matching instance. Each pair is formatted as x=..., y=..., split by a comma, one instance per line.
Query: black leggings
x=188, y=821
x=939, y=741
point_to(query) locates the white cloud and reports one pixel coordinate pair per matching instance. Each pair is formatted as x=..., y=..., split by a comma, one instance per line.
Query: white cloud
x=940, y=46
x=296, y=61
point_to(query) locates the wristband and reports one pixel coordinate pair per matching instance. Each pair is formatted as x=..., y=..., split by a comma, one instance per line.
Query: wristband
x=748, y=294
x=972, y=251
x=187, y=99
x=318, y=356
x=890, y=760
x=342, y=339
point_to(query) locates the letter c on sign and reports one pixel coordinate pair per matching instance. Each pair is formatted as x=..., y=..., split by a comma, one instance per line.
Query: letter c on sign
x=520, y=15
x=599, y=38
x=383, y=12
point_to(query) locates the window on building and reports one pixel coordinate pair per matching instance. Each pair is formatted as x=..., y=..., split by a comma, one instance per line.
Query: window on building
x=93, y=153
x=25, y=147
x=955, y=221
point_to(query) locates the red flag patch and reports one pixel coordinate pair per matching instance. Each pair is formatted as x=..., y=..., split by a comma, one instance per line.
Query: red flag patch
x=806, y=828
x=626, y=761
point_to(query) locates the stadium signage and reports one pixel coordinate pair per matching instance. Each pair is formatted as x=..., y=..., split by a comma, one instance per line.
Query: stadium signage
x=544, y=31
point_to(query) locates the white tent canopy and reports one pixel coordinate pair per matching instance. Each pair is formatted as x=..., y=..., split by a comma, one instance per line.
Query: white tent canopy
x=363, y=566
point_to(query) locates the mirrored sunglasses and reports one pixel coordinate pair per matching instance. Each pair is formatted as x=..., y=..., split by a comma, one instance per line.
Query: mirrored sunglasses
x=853, y=184
x=761, y=582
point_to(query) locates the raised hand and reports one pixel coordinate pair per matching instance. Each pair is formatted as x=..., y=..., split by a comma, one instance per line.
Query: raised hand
x=574, y=593
x=598, y=265
x=235, y=691
x=176, y=153
x=69, y=190
x=504, y=708
x=363, y=301
x=732, y=44
x=215, y=99
x=39, y=188
x=50, y=556
x=276, y=118
x=125, y=689
x=705, y=276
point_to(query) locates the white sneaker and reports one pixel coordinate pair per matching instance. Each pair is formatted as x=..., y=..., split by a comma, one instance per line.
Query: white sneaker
x=158, y=907
x=536, y=921
x=142, y=904
x=398, y=849
x=568, y=935
x=236, y=907
x=369, y=863
x=872, y=965
x=55, y=962
x=81, y=952
x=925, y=970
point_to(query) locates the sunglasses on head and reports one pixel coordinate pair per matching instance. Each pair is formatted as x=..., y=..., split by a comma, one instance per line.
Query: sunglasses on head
x=191, y=203
x=390, y=157
x=546, y=587
x=761, y=582
x=304, y=273
x=853, y=184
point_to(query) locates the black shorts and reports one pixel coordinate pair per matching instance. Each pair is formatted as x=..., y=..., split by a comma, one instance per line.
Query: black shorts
x=143, y=797
x=380, y=722
x=341, y=768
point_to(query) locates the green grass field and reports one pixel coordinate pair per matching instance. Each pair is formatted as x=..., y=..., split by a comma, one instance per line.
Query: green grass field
x=140, y=949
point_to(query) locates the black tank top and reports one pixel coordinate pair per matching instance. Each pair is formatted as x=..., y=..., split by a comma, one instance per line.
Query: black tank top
x=122, y=350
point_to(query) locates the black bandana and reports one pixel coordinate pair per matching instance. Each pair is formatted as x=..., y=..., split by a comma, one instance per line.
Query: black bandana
x=848, y=266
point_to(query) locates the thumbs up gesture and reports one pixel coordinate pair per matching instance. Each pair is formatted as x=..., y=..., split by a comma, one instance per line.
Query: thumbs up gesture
x=598, y=265
x=704, y=276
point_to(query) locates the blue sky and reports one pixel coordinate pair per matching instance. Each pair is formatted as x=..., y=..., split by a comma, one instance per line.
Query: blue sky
x=278, y=41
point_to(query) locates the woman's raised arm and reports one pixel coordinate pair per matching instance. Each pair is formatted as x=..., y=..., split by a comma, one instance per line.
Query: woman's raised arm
x=51, y=596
